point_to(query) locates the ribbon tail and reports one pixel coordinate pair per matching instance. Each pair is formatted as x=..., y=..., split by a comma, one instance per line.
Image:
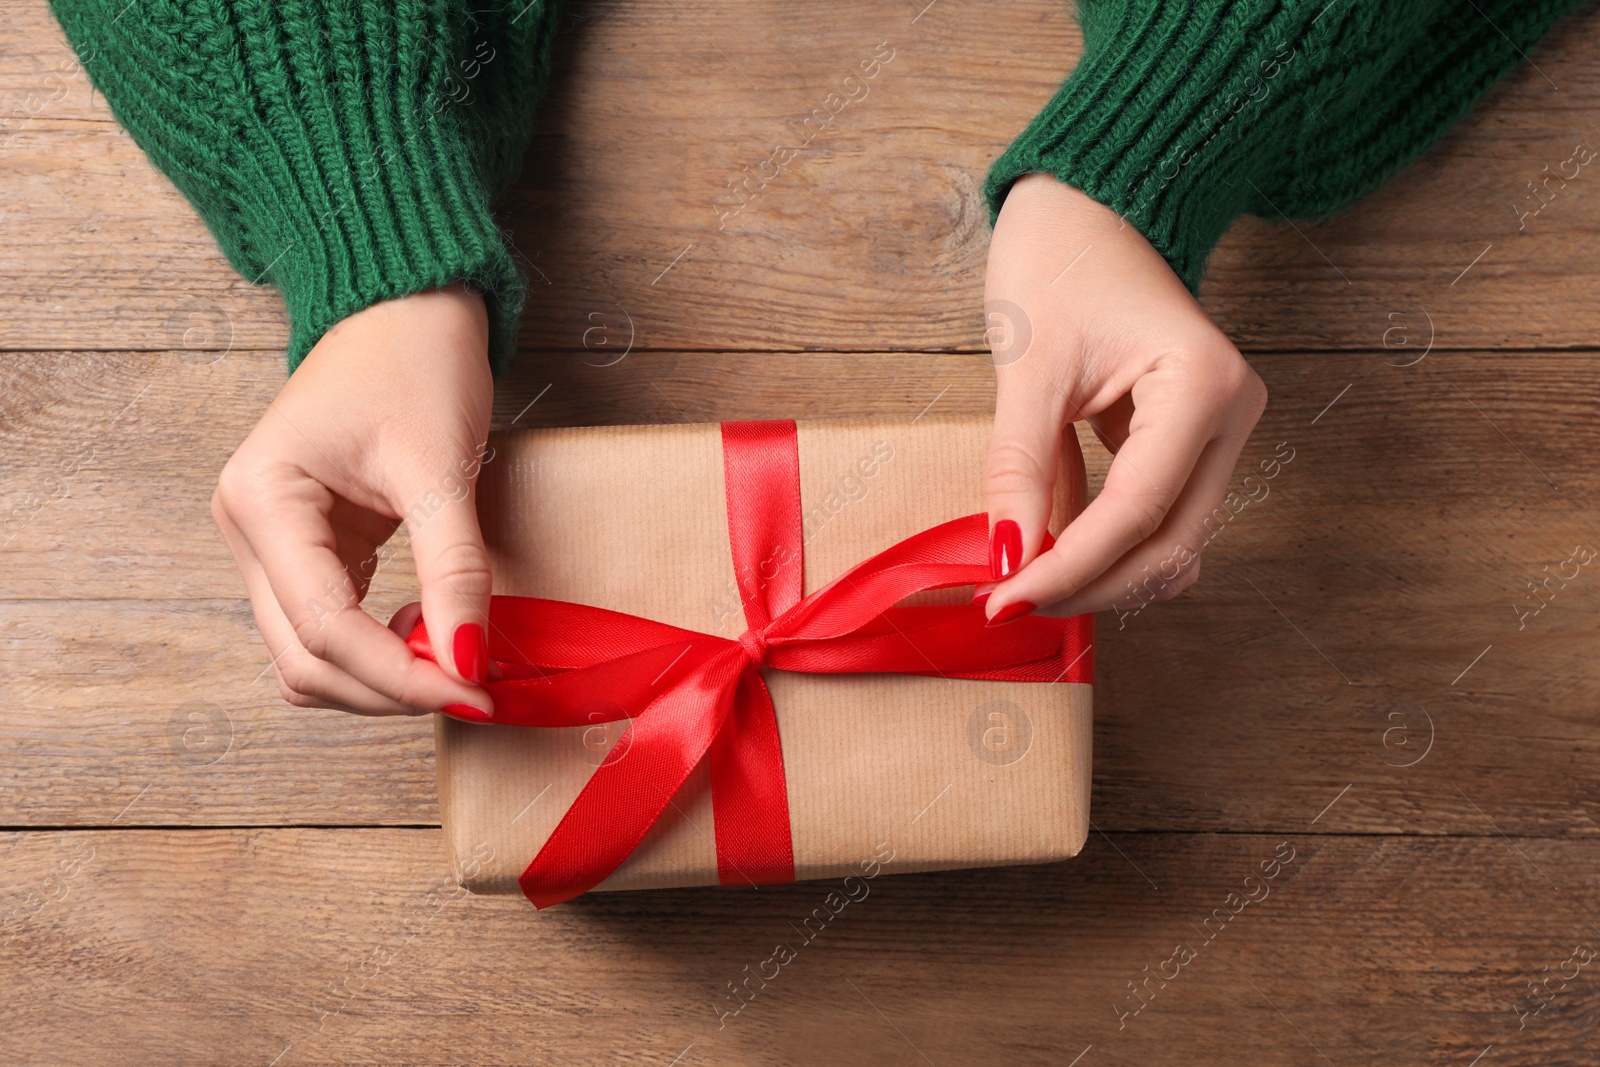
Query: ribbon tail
x=749, y=792
x=646, y=768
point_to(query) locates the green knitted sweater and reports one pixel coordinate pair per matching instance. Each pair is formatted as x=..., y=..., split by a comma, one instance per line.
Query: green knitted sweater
x=344, y=151
x=349, y=152
x=1183, y=115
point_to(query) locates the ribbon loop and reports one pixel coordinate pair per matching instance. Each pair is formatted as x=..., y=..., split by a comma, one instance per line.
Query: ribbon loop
x=766, y=535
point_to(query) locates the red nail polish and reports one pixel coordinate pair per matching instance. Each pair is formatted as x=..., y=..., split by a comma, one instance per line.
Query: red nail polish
x=470, y=650
x=467, y=713
x=1005, y=549
x=1012, y=612
x=980, y=599
x=1048, y=543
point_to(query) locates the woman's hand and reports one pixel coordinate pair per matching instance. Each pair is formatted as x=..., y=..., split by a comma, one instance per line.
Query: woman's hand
x=1088, y=322
x=385, y=420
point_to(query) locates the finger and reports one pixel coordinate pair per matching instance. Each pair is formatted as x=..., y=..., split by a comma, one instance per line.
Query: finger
x=1019, y=473
x=1166, y=436
x=981, y=591
x=284, y=519
x=303, y=681
x=1169, y=561
x=453, y=569
x=405, y=620
x=307, y=682
x=1076, y=491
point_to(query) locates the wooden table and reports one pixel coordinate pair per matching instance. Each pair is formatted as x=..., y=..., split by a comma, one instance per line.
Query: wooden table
x=195, y=872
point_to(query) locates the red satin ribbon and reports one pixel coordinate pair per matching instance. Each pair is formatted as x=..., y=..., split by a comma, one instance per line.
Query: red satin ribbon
x=691, y=695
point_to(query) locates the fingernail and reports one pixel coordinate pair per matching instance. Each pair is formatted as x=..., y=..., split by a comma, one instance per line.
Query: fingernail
x=1011, y=612
x=1048, y=543
x=470, y=650
x=1005, y=548
x=980, y=599
x=467, y=713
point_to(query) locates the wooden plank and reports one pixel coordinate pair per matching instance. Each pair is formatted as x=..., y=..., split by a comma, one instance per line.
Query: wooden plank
x=319, y=946
x=111, y=456
x=159, y=713
x=1370, y=601
x=166, y=713
x=134, y=517
x=873, y=238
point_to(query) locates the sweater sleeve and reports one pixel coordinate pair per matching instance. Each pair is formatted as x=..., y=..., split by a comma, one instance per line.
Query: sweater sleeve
x=344, y=152
x=1183, y=115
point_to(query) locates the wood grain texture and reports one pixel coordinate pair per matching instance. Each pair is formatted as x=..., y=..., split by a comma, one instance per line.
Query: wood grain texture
x=1338, y=627
x=321, y=946
x=874, y=238
x=112, y=456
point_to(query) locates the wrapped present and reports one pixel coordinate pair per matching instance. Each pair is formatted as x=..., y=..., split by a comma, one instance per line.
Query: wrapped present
x=746, y=653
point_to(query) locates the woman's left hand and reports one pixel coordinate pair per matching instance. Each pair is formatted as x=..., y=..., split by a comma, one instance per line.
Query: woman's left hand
x=1089, y=323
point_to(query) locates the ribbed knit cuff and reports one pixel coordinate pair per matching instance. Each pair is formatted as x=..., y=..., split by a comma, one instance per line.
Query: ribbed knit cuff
x=356, y=184
x=1169, y=119
x=338, y=150
x=1185, y=114
x=334, y=249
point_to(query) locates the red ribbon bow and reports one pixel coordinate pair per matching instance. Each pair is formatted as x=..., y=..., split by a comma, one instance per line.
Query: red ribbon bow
x=693, y=694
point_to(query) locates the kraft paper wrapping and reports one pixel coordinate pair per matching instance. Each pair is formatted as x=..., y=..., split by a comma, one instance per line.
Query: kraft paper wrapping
x=947, y=773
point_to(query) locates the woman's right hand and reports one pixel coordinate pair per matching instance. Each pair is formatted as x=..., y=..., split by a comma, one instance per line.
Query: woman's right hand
x=386, y=419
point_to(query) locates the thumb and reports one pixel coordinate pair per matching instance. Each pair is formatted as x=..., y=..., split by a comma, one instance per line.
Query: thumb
x=453, y=570
x=1019, y=477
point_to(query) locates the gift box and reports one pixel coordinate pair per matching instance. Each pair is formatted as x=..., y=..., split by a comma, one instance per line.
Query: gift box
x=699, y=679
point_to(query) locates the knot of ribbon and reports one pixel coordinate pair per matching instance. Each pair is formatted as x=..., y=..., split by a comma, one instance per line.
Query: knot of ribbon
x=754, y=643
x=693, y=697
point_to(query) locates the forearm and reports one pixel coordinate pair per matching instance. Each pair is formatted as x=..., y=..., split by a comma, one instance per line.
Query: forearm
x=328, y=146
